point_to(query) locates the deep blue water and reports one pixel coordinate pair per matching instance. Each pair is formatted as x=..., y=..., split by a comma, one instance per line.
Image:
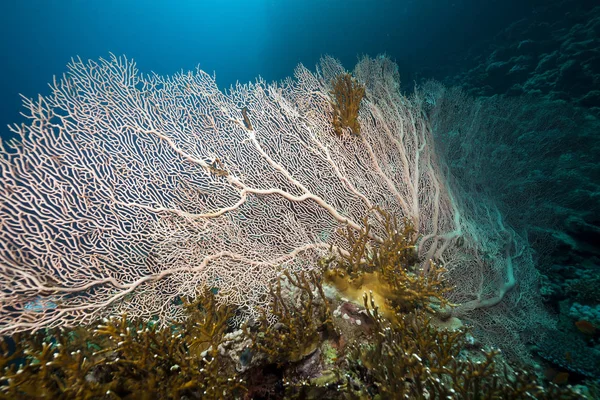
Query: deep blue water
x=239, y=40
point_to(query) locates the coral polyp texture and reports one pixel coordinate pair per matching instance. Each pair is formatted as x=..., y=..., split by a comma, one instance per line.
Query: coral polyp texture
x=125, y=192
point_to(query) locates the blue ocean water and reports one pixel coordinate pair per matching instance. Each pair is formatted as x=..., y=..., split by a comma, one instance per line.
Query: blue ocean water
x=239, y=40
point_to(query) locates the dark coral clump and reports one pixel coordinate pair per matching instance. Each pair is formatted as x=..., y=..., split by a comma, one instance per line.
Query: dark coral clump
x=388, y=267
x=303, y=319
x=413, y=359
x=123, y=359
x=347, y=93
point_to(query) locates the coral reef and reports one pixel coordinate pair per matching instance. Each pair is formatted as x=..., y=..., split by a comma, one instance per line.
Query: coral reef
x=175, y=186
x=411, y=353
x=297, y=349
x=152, y=226
x=536, y=84
x=571, y=352
x=412, y=359
x=122, y=358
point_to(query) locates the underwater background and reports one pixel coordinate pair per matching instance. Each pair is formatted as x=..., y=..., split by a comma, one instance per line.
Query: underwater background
x=529, y=71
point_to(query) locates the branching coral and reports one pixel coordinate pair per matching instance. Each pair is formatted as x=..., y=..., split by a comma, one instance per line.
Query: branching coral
x=412, y=359
x=347, y=94
x=124, y=359
x=303, y=317
x=388, y=268
x=407, y=355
